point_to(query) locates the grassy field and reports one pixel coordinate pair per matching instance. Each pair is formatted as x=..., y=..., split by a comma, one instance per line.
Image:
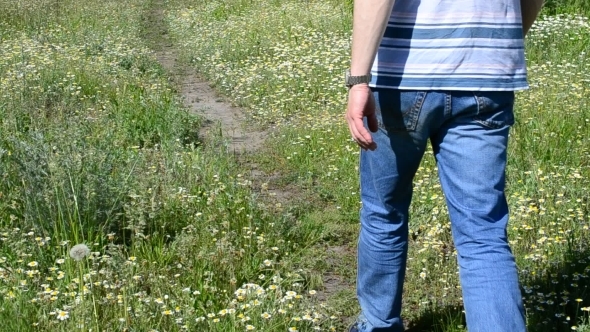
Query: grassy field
x=116, y=216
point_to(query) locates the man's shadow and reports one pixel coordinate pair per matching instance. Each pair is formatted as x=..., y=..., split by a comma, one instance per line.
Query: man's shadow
x=553, y=296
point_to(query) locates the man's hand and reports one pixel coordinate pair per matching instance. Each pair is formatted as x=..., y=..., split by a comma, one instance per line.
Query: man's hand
x=361, y=103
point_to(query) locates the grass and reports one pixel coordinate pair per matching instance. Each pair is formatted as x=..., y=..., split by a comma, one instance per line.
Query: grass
x=96, y=149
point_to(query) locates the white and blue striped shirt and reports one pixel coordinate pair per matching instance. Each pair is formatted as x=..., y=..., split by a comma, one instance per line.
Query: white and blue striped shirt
x=472, y=45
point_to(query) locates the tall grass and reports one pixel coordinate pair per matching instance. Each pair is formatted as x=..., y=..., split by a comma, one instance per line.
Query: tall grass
x=96, y=150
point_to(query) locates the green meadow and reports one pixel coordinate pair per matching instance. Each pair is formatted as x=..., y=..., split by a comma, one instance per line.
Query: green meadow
x=118, y=214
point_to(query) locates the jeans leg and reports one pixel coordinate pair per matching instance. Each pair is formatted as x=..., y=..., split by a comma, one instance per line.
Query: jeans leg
x=386, y=190
x=470, y=150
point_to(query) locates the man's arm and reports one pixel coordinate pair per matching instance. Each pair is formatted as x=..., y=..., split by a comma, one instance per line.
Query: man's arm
x=368, y=25
x=530, y=9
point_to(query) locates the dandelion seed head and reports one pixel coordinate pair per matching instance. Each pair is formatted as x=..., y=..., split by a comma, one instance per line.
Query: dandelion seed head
x=79, y=251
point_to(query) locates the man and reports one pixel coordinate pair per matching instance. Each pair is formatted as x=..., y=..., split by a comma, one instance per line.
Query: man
x=444, y=70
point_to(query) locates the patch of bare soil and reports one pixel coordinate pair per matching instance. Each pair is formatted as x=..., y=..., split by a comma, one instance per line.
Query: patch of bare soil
x=333, y=281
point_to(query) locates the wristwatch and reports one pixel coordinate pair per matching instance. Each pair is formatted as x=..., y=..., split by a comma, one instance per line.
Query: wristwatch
x=354, y=80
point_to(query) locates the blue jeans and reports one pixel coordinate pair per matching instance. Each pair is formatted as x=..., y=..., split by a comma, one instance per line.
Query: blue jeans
x=469, y=135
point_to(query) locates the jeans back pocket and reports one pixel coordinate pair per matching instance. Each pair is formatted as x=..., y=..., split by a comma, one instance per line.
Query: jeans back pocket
x=398, y=110
x=495, y=109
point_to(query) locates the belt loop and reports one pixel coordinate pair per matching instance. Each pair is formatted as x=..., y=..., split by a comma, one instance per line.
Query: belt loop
x=478, y=101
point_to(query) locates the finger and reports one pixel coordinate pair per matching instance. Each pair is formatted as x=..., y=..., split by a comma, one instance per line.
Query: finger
x=361, y=134
x=353, y=132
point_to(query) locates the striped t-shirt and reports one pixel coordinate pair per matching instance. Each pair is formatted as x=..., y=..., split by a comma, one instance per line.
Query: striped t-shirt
x=452, y=45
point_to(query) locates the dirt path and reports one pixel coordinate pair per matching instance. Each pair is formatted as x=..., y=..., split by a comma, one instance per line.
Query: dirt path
x=201, y=99
x=219, y=113
x=197, y=95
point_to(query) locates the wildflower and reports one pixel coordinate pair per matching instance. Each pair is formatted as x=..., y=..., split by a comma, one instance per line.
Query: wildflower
x=167, y=312
x=250, y=328
x=293, y=329
x=312, y=292
x=33, y=264
x=266, y=315
x=62, y=315
x=60, y=261
x=79, y=251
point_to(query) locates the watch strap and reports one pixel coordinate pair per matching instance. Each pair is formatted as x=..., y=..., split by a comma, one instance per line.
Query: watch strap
x=354, y=80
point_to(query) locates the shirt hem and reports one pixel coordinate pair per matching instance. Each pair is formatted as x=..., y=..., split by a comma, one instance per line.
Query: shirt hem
x=449, y=88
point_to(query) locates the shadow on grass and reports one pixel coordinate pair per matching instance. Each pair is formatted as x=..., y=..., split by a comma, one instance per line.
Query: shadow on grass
x=438, y=320
x=554, y=296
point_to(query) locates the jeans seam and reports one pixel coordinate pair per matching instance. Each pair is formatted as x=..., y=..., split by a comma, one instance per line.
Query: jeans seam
x=415, y=112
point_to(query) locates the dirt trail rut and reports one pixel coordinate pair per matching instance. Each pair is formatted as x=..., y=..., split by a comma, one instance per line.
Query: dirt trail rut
x=197, y=95
x=201, y=99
